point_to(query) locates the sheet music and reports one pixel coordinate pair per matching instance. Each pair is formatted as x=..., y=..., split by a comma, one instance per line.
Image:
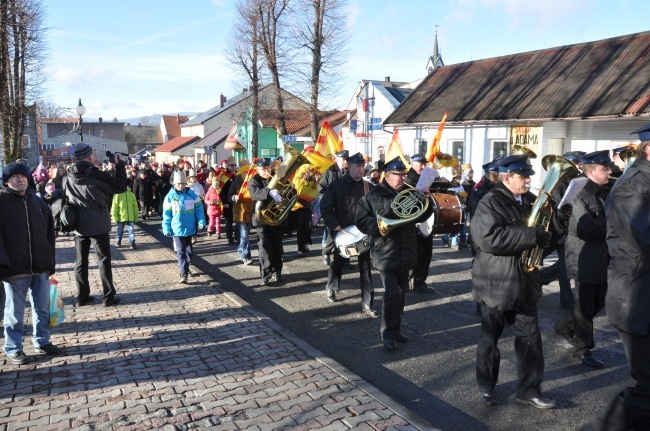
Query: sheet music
x=427, y=177
x=575, y=186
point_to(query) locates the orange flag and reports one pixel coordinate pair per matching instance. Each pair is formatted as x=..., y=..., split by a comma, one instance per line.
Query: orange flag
x=319, y=162
x=328, y=142
x=434, y=149
x=395, y=150
x=243, y=191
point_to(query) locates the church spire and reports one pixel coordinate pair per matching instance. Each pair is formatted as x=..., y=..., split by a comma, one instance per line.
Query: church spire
x=435, y=61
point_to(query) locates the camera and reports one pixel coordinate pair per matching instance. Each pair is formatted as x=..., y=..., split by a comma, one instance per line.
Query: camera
x=120, y=157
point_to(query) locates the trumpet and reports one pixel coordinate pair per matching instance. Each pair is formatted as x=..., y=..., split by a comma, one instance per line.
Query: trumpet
x=407, y=205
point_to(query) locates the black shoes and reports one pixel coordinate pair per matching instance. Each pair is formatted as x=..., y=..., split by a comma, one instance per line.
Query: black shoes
x=119, y=243
x=85, y=301
x=112, y=301
x=390, y=345
x=17, y=358
x=423, y=289
x=368, y=311
x=537, y=402
x=49, y=349
x=488, y=398
x=402, y=338
x=331, y=295
x=590, y=361
x=133, y=246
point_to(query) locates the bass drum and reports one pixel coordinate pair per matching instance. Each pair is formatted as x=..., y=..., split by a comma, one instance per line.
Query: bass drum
x=448, y=216
x=350, y=242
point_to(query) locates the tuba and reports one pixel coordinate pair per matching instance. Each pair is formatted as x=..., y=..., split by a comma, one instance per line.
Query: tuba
x=628, y=155
x=558, y=168
x=407, y=206
x=270, y=212
x=522, y=149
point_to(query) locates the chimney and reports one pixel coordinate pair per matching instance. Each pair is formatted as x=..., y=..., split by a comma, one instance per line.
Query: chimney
x=244, y=90
x=100, y=119
x=387, y=79
x=222, y=100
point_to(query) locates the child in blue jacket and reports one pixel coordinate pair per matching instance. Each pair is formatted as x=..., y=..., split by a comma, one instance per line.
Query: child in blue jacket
x=182, y=212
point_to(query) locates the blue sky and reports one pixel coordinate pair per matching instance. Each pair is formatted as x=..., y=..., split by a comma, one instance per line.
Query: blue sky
x=128, y=59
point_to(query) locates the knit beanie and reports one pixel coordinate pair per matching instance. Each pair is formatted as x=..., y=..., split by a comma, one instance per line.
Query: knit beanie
x=12, y=169
x=82, y=151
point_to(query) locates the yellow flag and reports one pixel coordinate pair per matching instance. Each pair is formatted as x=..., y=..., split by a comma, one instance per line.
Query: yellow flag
x=328, y=141
x=395, y=150
x=434, y=148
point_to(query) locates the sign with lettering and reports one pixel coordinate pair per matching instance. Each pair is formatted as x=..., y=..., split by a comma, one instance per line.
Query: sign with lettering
x=529, y=136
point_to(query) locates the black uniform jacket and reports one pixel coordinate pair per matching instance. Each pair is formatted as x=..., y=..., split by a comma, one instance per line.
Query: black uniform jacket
x=396, y=251
x=500, y=236
x=88, y=189
x=628, y=240
x=142, y=189
x=332, y=174
x=259, y=191
x=339, y=203
x=480, y=190
x=585, y=246
x=26, y=234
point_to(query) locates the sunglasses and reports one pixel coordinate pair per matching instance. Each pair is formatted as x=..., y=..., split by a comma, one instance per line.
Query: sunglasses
x=401, y=174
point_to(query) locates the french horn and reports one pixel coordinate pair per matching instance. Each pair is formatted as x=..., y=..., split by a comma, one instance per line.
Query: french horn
x=407, y=206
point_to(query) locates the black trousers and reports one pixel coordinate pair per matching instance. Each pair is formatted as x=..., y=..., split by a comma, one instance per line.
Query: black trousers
x=395, y=285
x=630, y=410
x=590, y=299
x=328, y=248
x=270, y=250
x=102, y=245
x=528, y=348
x=232, y=234
x=302, y=219
x=557, y=271
x=424, y=252
x=336, y=270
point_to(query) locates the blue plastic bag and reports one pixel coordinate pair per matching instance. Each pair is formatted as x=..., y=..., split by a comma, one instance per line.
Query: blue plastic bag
x=57, y=315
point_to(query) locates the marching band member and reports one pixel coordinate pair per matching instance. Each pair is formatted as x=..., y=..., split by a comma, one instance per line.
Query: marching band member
x=394, y=254
x=506, y=292
x=339, y=210
x=333, y=173
x=418, y=275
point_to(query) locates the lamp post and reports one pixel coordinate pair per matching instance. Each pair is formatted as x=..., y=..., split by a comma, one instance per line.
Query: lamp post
x=81, y=110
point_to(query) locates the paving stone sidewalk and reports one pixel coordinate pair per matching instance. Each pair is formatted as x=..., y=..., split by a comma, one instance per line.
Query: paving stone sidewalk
x=180, y=357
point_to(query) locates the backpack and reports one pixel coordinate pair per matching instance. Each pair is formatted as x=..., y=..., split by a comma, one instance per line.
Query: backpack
x=65, y=214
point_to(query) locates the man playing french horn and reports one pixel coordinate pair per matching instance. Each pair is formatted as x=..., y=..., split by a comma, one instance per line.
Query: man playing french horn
x=507, y=292
x=393, y=241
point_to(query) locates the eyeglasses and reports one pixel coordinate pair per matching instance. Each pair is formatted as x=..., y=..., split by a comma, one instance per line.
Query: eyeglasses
x=401, y=174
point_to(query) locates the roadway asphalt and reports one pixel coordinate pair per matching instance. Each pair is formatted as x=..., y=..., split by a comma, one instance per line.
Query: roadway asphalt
x=434, y=374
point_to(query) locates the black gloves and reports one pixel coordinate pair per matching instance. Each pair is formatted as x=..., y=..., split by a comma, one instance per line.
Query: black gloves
x=564, y=213
x=542, y=237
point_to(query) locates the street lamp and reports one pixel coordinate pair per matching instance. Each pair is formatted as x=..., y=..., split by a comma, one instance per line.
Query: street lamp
x=81, y=109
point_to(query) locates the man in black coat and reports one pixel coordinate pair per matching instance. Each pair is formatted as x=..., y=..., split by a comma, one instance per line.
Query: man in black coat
x=269, y=237
x=506, y=292
x=586, y=252
x=394, y=253
x=142, y=189
x=628, y=278
x=418, y=275
x=339, y=210
x=333, y=173
x=226, y=177
x=88, y=189
x=26, y=261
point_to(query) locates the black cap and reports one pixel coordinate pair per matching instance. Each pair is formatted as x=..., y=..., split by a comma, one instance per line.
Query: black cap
x=574, y=156
x=619, y=150
x=12, y=169
x=395, y=164
x=356, y=159
x=419, y=158
x=643, y=132
x=492, y=166
x=516, y=164
x=344, y=153
x=263, y=162
x=598, y=158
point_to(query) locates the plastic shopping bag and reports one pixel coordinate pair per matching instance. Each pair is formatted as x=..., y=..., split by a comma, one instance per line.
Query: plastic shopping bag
x=57, y=315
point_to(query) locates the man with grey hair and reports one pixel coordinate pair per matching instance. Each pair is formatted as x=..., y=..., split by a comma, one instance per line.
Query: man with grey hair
x=88, y=189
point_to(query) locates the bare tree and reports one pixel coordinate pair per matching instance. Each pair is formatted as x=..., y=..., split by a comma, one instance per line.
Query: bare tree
x=320, y=28
x=242, y=51
x=50, y=110
x=272, y=41
x=21, y=51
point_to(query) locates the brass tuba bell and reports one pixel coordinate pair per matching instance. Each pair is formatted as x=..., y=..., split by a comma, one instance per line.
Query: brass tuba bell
x=628, y=155
x=522, y=149
x=407, y=206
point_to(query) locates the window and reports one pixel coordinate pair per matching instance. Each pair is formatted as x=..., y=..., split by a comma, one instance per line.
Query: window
x=499, y=149
x=421, y=146
x=48, y=146
x=457, y=150
x=104, y=148
x=136, y=148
